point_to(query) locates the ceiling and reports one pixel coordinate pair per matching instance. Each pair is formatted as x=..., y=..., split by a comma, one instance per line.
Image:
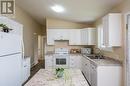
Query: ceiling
x=84, y=11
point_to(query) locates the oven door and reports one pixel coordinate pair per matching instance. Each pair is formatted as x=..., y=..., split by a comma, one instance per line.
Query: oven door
x=61, y=62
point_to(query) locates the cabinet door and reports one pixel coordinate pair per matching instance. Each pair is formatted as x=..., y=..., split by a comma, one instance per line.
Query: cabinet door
x=84, y=36
x=72, y=61
x=74, y=38
x=75, y=61
x=78, y=62
x=115, y=30
x=83, y=65
x=61, y=34
x=112, y=30
x=93, y=74
x=48, y=61
x=50, y=37
x=87, y=70
x=91, y=36
x=105, y=30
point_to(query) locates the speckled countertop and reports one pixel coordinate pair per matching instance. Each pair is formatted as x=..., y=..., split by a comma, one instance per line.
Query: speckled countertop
x=46, y=77
x=99, y=62
x=104, y=62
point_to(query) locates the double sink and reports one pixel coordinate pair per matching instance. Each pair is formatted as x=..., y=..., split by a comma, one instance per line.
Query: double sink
x=96, y=57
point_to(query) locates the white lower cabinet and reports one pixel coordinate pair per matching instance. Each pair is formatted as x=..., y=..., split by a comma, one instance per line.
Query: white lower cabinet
x=26, y=69
x=109, y=76
x=75, y=61
x=93, y=74
x=101, y=75
x=86, y=68
x=48, y=61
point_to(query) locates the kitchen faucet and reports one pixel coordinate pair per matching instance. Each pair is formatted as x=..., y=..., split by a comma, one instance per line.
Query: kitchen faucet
x=98, y=53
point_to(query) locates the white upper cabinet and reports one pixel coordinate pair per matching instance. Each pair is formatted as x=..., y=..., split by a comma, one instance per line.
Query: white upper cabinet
x=88, y=36
x=112, y=30
x=50, y=36
x=56, y=34
x=74, y=37
x=61, y=34
x=85, y=36
x=91, y=36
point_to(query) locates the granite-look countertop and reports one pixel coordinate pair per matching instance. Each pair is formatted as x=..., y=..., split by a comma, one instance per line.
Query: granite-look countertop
x=47, y=77
x=52, y=53
x=104, y=62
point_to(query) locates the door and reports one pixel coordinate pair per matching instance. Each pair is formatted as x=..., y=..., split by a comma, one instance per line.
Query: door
x=50, y=36
x=11, y=70
x=84, y=36
x=40, y=47
x=93, y=75
x=128, y=52
x=75, y=38
x=35, y=49
x=9, y=44
x=91, y=36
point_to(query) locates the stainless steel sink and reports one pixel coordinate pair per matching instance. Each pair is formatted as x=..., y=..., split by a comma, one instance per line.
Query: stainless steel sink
x=96, y=57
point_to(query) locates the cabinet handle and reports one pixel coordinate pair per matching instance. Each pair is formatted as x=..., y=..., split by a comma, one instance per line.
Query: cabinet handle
x=25, y=66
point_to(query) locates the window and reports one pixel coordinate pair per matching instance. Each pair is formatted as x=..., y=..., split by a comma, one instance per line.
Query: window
x=101, y=39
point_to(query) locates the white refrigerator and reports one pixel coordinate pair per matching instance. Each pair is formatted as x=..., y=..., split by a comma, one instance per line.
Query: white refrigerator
x=10, y=59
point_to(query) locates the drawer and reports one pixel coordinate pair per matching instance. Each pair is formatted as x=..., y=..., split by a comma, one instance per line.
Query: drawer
x=48, y=67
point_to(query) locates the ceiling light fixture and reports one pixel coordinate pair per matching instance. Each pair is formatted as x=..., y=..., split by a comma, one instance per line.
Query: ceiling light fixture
x=57, y=8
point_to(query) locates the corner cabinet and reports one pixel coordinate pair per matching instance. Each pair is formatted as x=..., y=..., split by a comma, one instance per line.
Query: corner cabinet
x=112, y=30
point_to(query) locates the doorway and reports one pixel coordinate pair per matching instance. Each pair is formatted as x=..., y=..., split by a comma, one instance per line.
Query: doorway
x=128, y=51
x=35, y=49
x=41, y=47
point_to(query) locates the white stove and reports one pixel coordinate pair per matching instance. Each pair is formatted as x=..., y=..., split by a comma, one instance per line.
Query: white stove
x=61, y=58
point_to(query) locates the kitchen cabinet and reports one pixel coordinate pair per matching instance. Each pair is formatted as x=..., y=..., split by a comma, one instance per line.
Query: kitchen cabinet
x=109, y=76
x=91, y=36
x=57, y=34
x=88, y=36
x=50, y=36
x=86, y=68
x=101, y=75
x=26, y=69
x=75, y=61
x=84, y=36
x=61, y=34
x=49, y=61
x=112, y=30
x=74, y=37
x=93, y=74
